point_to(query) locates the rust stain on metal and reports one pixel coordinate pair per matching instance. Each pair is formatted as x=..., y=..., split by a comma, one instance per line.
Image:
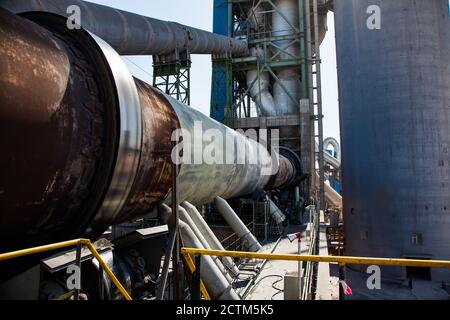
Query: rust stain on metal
x=153, y=180
x=49, y=151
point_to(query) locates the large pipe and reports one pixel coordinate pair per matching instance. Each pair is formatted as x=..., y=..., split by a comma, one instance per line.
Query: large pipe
x=332, y=197
x=285, y=96
x=275, y=212
x=209, y=236
x=336, y=147
x=259, y=82
x=218, y=161
x=216, y=283
x=98, y=139
x=133, y=34
x=184, y=216
x=239, y=228
x=286, y=91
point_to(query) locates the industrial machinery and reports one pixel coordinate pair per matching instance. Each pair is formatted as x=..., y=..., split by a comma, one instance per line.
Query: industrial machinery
x=97, y=146
x=89, y=151
x=277, y=87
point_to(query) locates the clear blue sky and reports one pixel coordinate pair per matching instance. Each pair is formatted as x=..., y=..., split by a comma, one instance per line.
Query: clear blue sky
x=199, y=14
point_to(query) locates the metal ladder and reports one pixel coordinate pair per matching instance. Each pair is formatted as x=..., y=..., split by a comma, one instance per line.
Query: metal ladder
x=315, y=98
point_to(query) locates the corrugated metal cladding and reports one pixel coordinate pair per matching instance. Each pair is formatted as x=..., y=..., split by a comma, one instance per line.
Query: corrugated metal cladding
x=395, y=128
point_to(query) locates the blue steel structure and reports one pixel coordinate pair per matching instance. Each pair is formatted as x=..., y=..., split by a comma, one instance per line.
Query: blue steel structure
x=221, y=78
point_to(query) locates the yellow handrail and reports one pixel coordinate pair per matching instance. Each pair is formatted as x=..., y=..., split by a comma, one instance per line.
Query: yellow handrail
x=340, y=260
x=192, y=268
x=65, y=244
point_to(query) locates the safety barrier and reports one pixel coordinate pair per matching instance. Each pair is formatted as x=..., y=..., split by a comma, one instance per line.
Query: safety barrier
x=341, y=260
x=79, y=243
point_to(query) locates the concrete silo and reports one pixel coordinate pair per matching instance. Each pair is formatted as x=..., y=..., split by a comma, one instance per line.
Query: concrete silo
x=394, y=86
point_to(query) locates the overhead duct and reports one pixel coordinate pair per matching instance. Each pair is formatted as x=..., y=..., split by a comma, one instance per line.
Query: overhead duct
x=98, y=139
x=133, y=34
x=336, y=147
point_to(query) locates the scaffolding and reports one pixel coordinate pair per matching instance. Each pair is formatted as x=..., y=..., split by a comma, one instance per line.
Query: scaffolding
x=171, y=74
x=234, y=106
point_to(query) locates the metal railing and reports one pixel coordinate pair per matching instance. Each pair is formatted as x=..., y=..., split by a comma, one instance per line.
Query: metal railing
x=194, y=269
x=311, y=267
x=341, y=260
x=79, y=243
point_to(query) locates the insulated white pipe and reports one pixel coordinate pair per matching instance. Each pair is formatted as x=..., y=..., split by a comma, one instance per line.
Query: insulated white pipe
x=237, y=225
x=259, y=88
x=132, y=34
x=259, y=91
x=209, y=236
x=285, y=22
x=275, y=212
x=336, y=147
x=331, y=195
x=297, y=196
x=216, y=283
x=328, y=158
x=184, y=216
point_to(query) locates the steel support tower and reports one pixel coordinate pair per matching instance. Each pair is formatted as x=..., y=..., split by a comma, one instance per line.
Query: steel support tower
x=230, y=100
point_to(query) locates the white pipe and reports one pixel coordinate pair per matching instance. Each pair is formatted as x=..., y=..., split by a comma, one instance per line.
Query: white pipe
x=285, y=22
x=328, y=158
x=275, y=212
x=133, y=34
x=209, y=236
x=297, y=196
x=260, y=93
x=239, y=228
x=336, y=147
x=259, y=88
x=215, y=282
x=184, y=216
x=331, y=195
x=289, y=82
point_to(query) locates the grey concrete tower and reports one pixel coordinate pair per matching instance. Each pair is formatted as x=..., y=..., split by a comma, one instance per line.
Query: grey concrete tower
x=394, y=86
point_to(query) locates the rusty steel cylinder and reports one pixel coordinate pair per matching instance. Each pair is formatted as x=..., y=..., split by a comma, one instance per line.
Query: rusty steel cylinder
x=86, y=146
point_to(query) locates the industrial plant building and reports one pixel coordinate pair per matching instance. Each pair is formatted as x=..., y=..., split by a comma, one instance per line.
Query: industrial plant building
x=113, y=188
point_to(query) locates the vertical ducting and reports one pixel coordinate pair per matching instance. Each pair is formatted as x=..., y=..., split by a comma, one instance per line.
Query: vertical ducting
x=285, y=22
x=285, y=96
x=259, y=82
